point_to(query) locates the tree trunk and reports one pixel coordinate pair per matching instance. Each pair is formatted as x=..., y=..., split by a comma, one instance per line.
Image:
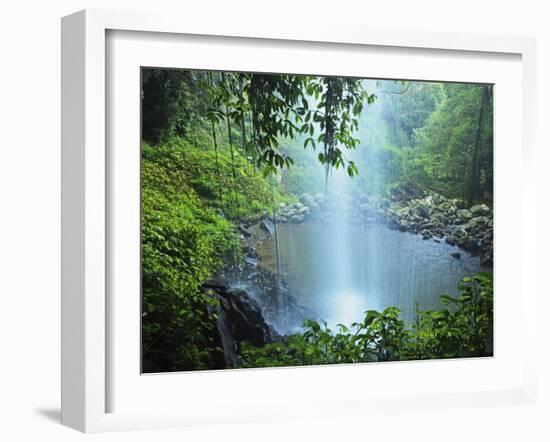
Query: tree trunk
x=475, y=184
x=230, y=136
x=214, y=139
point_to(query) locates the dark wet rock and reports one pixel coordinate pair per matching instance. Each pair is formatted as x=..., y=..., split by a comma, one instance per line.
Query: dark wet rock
x=455, y=255
x=486, y=259
x=244, y=231
x=251, y=251
x=239, y=318
x=267, y=225
x=251, y=261
x=450, y=241
x=426, y=234
x=471, y=245
x=279, y=307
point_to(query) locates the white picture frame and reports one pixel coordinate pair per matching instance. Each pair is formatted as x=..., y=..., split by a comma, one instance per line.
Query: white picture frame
x=86, y=205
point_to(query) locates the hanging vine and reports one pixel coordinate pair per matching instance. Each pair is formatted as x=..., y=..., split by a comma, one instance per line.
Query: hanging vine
x=211, y=117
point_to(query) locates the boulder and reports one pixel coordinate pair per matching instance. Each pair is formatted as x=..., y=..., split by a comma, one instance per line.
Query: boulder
x=447, y=207
x=471, y=245
x=267, y=225
x=239, y=318
x=455, y=255
x=486, y=259
x=464, y=215
x=426, y=234
x=244, y=231
x=320, y=199
x=478, y=221
x=459, y=237
x=297, y=218
x=423, y=209
x=480, y=210
x=450, y=241
x=306, y=199
x=458, y=203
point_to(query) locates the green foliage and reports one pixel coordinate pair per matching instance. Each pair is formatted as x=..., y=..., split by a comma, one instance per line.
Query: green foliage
x=184, y=241
x=170, y=99
x=447, y=146
x=407, y=106
x=270, y=106
x=463, y=328
x=247, y=197
x=340, y=101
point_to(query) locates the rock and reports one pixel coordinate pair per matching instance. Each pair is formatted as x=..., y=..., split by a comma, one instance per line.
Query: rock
x=480, y=210
x=245, y=232
x=423, y=210
x=306, y=199
x=471, y=245
x=478, y=221
x=450, y=241
x=251, y=261
x=267, y=225
x=239, y=318
x=464, y=215
x=426, y=234
x=384, y=203
x=313, y=207
x=440, y=219
x=458, y=203
x=282, y=206
x=455, y=255
x=251, y=251
x=320, y=199
x=448, y=207
x=486, y=259
x=438, y=199
x=459, y=236
x=297, y=219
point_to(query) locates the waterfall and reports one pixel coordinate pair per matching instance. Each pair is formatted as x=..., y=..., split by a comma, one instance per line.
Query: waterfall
x=281, y=300
x=342, y=258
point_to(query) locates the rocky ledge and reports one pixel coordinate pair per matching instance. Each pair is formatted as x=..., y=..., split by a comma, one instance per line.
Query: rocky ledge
x=435, y=216
x=430, y=215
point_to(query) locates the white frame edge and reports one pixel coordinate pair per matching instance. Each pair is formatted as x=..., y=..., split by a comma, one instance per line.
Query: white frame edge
x=83, y=399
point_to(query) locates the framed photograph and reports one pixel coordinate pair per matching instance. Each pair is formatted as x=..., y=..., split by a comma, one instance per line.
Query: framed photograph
x=252, y=213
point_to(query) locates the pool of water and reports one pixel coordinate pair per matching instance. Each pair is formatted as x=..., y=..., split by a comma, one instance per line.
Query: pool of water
x=339, y=270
